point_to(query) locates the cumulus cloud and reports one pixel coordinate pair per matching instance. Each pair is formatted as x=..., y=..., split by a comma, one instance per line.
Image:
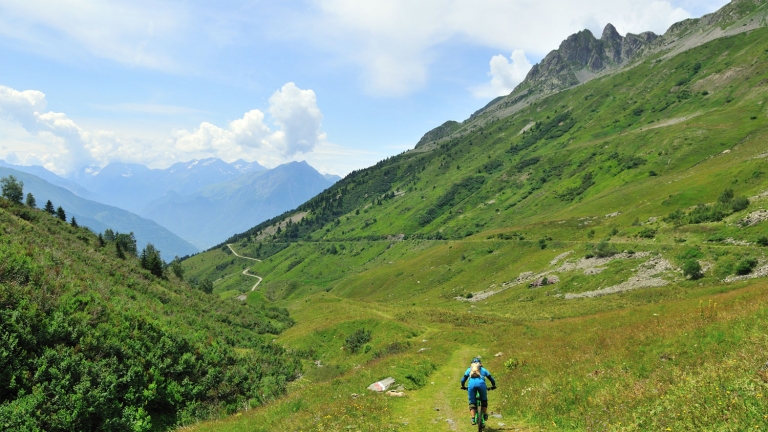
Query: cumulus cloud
x=62, y=145
x=505, y=73
x=293, y=110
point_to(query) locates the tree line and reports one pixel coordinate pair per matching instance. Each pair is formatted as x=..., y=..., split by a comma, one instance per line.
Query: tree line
x=124, y=244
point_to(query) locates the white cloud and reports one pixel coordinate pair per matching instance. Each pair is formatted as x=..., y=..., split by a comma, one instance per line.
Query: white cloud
x=505, y=75
x=137, y=32
x=62, y=146
x=394, y=42
x=295, y=111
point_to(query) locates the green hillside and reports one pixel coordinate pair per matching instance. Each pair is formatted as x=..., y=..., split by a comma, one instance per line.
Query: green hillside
x=602, y=248
x=91, y=341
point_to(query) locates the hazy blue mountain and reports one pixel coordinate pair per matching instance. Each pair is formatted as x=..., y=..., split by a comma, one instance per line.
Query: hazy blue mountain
x=216, y=212
x=99, y=217
x=53, y=179
x=132, y=186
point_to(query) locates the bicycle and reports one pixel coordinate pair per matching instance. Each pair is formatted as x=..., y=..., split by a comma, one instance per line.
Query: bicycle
x=479, y=417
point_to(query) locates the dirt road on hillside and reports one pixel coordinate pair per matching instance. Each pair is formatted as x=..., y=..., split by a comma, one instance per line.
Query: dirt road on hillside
x=245, y=272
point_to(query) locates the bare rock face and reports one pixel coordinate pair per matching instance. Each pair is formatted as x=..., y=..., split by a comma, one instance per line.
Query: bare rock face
x=581, y=56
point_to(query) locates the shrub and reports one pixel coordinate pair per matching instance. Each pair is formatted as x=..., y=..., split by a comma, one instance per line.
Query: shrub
x=357, y=339
x=745, y=266
x=604, y=250
x=692, y=269
x=648, y=233
x=762, y=241
x=739, y=203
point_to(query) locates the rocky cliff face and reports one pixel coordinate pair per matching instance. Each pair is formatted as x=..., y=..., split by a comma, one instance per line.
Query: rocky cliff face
x=581, y=57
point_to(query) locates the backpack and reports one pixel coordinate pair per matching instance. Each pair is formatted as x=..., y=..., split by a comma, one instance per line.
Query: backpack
x=474, y=370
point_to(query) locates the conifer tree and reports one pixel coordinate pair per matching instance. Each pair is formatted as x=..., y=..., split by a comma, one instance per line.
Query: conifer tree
x=61, y=214
x=101, y=241
x=49, y=208
x=73, y=222
x=150, y=260
x=13, y=190
x=31, y=200
x=119, y=251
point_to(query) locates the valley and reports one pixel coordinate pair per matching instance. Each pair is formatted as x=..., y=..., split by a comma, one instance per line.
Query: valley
x=598, y=247
x=598, y=237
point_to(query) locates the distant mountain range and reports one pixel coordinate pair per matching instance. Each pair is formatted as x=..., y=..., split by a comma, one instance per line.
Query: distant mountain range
x=98, y=217
x=201, y=201
x=218, y=211
x=133, y=186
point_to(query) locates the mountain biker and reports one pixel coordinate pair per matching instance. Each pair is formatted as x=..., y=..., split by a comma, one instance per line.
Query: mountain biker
x=476, y=374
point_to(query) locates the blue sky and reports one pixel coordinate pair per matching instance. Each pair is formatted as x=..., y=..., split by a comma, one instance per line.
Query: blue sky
x=339, y=83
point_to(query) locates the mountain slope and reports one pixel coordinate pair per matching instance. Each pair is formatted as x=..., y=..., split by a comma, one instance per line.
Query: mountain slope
x=606, y=240
x=219, y=211
x=94, y=342
x=98, y=217
x=53, y=179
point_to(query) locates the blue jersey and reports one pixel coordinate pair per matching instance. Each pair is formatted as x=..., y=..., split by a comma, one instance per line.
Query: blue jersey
x=474, y=381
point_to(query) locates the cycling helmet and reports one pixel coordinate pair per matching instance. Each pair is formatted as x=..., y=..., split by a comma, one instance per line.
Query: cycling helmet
x=476, y=360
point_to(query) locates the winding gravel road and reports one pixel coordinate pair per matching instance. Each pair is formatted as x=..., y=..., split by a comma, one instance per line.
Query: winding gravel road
x=245, y=272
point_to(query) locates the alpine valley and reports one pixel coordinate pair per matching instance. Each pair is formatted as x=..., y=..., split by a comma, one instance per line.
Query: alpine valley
x=597, y=237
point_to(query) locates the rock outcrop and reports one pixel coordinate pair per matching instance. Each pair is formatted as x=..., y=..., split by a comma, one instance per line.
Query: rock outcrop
x=581, y=57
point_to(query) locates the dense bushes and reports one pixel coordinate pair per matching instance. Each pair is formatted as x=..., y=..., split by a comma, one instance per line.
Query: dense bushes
x=90, y=342
x=727, y=203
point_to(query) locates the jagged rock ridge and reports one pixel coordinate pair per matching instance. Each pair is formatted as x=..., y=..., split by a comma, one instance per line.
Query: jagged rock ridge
x=581, y=56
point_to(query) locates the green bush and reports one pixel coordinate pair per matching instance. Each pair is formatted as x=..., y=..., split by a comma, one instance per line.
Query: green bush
x=745, y=266
x=357, y=339
x=604, y=250
x=692, y=269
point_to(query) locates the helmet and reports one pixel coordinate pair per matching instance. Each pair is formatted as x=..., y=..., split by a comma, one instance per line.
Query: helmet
x=476, y=360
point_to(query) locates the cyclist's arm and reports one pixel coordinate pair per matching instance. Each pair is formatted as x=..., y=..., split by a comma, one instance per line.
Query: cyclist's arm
x=465, y=378
x=488, y=375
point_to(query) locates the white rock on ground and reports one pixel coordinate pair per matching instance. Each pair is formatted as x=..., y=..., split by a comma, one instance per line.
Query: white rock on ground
x=383, y=385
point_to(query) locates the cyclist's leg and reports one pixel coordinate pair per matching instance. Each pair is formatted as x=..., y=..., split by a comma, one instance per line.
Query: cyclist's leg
x=472, y=395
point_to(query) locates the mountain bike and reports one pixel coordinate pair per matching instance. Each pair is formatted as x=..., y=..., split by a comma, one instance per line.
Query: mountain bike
x=479, y=417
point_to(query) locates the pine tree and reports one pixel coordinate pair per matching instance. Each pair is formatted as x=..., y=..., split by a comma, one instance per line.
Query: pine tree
x=119, y=251
x=61, y=214
x=73, y=222
x=49, y=208
x=13, y=190
x=31, y=200
x=101, y=241
x=150, y=260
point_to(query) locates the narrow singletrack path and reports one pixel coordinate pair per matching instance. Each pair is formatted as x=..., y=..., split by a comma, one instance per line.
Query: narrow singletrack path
x=245, y=272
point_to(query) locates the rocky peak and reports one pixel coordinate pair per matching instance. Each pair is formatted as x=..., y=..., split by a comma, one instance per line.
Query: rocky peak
x=581, y=56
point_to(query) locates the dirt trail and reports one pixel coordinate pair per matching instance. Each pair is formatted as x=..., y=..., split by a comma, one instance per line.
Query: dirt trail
x=441, y=405
x=245, y=272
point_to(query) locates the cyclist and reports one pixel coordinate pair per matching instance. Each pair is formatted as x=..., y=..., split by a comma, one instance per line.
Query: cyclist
x=476, y=374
